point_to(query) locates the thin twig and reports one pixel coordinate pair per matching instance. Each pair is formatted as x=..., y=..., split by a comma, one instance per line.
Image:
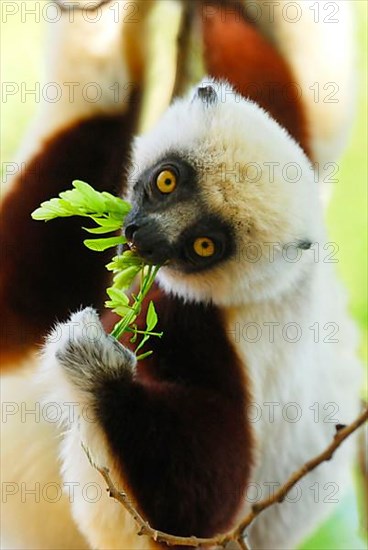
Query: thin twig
x=144, y=526
x=342, y=433
x=340, y=436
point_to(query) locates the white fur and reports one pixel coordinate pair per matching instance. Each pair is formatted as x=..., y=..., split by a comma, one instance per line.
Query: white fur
x=321, y=378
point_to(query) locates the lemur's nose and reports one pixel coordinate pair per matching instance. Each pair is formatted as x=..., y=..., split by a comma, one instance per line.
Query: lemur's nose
x=130, y=230
x=149, y=241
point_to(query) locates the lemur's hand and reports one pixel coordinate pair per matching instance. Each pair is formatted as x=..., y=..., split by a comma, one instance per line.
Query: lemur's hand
x=84, y=353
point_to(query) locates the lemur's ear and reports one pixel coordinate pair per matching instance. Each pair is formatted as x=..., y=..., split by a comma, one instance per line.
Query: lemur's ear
x=206, y=94
x=304, y=245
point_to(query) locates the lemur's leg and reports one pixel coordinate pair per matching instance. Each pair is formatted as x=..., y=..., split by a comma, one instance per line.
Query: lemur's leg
x=46, y=270
x=173, y=433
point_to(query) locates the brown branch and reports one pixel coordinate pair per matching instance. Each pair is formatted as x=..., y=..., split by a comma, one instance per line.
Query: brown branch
x=342, y=433
x=144, y=526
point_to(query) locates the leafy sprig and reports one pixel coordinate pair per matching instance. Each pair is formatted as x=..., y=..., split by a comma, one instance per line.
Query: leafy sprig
x=108, y=213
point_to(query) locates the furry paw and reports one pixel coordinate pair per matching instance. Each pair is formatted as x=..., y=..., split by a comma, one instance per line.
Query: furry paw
x=85, y=353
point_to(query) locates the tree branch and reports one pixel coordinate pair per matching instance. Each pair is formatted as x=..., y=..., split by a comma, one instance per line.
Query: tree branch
x=342, y=433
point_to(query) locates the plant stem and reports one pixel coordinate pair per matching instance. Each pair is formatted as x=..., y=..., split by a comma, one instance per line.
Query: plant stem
x=146, y=284
x=135, y=331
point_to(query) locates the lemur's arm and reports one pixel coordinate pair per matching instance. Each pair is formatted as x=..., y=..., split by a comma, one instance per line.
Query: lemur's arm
x=181, y=414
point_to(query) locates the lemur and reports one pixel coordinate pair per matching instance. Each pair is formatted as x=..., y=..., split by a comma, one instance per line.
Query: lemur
x=216, y=412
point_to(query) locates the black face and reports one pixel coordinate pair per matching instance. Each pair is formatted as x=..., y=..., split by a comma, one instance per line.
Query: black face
x=166, y=188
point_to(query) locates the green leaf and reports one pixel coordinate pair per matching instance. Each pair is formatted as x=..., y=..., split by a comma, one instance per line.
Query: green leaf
x=128, y=259
x=100, y=230
x=75, y=199
x=93, y=198
x=107, y=222
x=116, y=205
x=144, y=355
x=50, y=210
x=68, y=207
x=43, y=214
x=118, y=295
x=112, y=266
x=151, y=318
x=132, y=258
x=99, y=245
x=124, y=279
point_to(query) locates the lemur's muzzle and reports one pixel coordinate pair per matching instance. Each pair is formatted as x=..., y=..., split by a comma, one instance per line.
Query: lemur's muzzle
x=149, y=241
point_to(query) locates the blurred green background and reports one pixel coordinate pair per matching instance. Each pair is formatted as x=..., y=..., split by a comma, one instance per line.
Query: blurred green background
x=22, y=52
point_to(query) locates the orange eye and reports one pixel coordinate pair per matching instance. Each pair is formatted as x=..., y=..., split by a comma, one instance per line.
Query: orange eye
x=166, y=181
x=205, y=247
